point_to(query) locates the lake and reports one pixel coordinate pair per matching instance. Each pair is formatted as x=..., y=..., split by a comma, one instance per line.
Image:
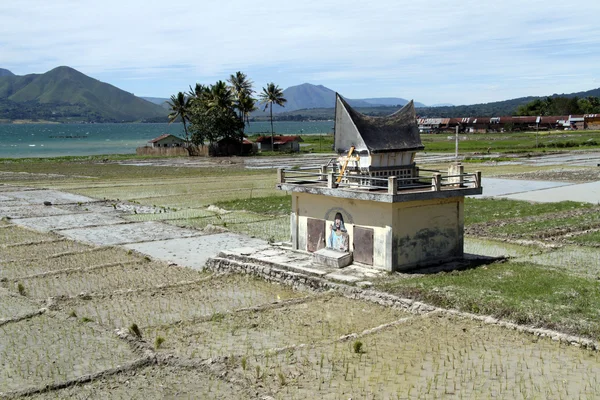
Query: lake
x=56, y=140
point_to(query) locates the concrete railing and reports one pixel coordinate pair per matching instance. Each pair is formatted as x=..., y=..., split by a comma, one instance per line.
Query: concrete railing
x=325, y=176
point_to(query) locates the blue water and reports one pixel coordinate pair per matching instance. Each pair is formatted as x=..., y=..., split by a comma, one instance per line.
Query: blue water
x=47, y=140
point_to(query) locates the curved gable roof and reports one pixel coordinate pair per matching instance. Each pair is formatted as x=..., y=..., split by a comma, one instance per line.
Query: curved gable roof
x=396, y=132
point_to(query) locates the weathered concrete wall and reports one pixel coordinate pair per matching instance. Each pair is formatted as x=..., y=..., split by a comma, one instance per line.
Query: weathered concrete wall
x=370, y=214
x=405, y=235
x=427, y=231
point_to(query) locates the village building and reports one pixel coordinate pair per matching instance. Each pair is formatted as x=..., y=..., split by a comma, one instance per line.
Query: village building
x=280, y=143
x=509, y=123
x=166, y=140
x=231, y=147
x=170, y=145
x=373, y=205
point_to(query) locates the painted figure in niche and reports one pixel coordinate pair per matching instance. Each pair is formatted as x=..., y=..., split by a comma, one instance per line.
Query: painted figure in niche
x=338, y=240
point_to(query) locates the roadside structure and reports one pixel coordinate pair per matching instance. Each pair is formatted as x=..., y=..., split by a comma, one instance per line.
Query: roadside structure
x=280, y=143
x=373, y=205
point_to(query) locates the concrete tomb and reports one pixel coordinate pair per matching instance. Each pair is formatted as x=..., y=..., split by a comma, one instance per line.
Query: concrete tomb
x=373, y=205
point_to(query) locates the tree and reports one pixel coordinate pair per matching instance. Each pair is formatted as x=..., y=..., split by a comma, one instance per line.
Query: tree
x=589, y=105
x=213, y=115
x=211, y=124
x=270, y=95
x=241, y=88
x=180, y=108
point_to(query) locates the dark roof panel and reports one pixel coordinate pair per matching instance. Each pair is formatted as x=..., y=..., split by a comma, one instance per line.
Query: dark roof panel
x=396, y=132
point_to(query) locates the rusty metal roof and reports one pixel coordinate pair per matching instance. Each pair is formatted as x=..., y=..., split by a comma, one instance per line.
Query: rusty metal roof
x=280, y=139
x=164, y=136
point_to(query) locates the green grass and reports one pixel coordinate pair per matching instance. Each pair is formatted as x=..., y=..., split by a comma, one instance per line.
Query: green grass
x=270, y=205
x=487, y=210
x=512, y=142
x=592, y=238
x=537, y=227
x=523, y=292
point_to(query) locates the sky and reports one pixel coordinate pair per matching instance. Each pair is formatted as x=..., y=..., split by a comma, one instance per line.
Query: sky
x=432, y=51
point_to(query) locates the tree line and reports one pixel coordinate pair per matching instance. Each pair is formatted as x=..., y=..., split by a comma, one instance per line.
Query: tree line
x=560, y=106
x=213, y=112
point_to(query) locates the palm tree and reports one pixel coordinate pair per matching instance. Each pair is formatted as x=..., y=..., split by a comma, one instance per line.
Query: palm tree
x=197, y=91
x=241, y=87
x=219, y=95
x=180, y=107
x=240, y=84
x=242, y=90
x=270, y=95
x=246, y=104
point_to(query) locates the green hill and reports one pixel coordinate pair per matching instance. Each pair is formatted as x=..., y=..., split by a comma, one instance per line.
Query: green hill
x=66, y=94
x=494, y=109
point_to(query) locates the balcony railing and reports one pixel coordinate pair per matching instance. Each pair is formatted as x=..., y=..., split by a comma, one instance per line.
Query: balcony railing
x=426, y=180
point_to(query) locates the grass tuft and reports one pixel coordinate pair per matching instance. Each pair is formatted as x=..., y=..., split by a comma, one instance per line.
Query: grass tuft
x=135, y=330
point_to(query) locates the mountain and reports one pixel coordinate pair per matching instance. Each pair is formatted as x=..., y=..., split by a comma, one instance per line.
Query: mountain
x=493, y=109
x=5, y=72
x=66, y=94
x=311, y=96
x=390, y=101
x=441, y=105
x=161, y=101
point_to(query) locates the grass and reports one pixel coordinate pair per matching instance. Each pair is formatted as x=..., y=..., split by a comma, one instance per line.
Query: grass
x=269, y=205
x=547, y=226
x=487, y=210
x=512, y=142
x=523, y=292
x=592, y=238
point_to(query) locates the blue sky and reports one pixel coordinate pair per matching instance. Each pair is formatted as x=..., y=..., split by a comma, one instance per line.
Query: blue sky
x=431, y=51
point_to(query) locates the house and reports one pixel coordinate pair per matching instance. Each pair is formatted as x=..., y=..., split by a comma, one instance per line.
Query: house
x=167, y=140
x=280, y=143
x=374, y=206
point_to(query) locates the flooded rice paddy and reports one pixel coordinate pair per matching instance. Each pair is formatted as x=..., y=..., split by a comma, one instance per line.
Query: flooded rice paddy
x=67, y=315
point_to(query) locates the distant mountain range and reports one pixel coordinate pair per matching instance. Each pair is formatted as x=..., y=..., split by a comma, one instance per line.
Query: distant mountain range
x=308, y=96
x=65, y=94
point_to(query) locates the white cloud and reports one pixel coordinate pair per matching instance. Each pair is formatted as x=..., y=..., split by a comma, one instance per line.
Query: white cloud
x=434, y=51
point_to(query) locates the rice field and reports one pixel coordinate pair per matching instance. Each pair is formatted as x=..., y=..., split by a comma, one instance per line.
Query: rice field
x=250, y=333
x=79, y=321
x=48, y=349
x=15, y=306
x=39, y=250
x=430, y=357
